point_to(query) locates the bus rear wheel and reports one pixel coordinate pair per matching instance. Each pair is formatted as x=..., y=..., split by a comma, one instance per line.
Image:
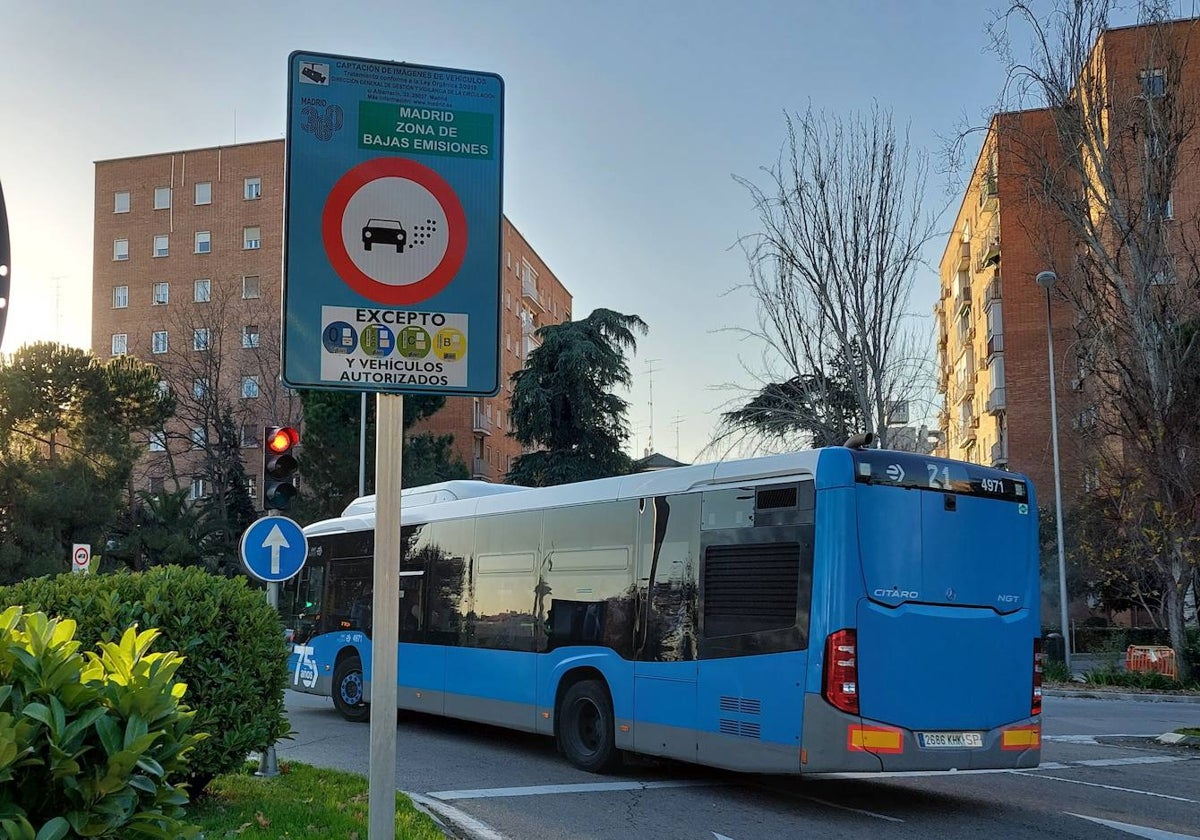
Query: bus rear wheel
x=586, y=729
x=348, y=690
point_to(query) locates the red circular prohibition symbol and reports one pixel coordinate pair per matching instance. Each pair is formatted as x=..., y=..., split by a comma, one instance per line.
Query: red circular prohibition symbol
x=339, y=257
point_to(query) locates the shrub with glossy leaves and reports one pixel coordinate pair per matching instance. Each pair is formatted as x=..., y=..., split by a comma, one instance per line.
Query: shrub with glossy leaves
x=91, y=744
x=235, y=659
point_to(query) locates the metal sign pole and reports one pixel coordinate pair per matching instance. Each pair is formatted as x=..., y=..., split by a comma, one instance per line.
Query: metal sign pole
x=268, y=763
x=385, y=630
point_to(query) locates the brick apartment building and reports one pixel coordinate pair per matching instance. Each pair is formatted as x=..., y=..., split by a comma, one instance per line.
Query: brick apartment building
x=188, y=250
x=992, y=316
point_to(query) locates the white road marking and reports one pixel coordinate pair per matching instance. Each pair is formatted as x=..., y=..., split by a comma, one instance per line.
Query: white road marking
x=1087, y=739
x=1111, y=787
x=720, y=836
x=542, y=790
x=479, y=830
x=1136, y=830
x=1120, y=762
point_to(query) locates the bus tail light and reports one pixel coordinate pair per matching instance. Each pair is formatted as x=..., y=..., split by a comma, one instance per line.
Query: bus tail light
x=841, y=671
x=1038, y=656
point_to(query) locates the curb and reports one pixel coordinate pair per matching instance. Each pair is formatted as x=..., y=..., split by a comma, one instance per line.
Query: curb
x=1121, y=695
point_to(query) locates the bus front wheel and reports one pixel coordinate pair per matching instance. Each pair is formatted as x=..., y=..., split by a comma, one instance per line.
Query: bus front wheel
x=348, y=690
x=586, y=729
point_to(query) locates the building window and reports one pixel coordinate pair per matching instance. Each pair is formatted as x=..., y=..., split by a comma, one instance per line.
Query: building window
x=158, y=442
x=158, y=342
x=252, y=188
x=204, y=192
x=198, y=490
x=252, y=488
x=1154, y=83
x=199, y=388
x=202, y=291
x=121, y=202
x=249, y=387
x=251, y=238
x=203, y=242
x=162, y=198
x=250, y=335
x=155, y=485
x=164, y=388
x=250, y=287
x=162, y=294
x=249, y=435
x=162, y=246
x=200, y=339
x=199, y=437
x=507, y=300
x=120, y=297
x=1161, y=209
x=119, y=343
x=120, y=249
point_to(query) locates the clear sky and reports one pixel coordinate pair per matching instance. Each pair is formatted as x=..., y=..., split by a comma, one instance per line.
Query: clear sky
x=625, y=122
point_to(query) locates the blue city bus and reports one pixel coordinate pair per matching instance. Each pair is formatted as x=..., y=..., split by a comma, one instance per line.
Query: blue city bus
x=841, y=610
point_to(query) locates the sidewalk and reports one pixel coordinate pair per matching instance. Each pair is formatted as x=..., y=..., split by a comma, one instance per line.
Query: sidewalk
x=1100, y=692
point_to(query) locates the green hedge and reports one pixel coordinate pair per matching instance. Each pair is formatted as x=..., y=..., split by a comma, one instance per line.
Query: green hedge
x=235, y=659
x=90, y=743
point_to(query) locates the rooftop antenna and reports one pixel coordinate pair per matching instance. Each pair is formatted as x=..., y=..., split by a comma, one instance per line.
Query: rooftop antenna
x=650, y=376
x=678, y=421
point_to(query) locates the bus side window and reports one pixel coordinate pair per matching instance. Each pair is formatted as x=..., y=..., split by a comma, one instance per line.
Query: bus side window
x=670, y=548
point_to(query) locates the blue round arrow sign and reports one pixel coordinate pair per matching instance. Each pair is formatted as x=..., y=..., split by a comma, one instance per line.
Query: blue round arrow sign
x=274, y=549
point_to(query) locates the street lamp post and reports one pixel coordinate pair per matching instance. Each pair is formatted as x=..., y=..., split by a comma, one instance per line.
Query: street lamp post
x=1046, y=279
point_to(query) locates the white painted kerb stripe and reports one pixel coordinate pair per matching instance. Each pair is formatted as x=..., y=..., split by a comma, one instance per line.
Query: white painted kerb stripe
x=1136, y=830
x=478, y=830
x=542, y=790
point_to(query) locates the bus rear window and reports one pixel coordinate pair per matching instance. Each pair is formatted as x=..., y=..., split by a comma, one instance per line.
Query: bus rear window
x=917, y=472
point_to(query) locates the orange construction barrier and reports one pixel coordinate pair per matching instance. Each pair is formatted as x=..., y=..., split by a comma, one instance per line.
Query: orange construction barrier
x=1156, y=658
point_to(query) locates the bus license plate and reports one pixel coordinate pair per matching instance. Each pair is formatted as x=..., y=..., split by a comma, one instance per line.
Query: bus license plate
x=950, y=739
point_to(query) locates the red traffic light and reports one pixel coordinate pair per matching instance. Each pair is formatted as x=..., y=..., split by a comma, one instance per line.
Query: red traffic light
x=282, y=438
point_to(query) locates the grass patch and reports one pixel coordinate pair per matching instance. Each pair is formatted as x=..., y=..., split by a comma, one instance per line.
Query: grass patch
x=301, y=803
x=1139, y=679
x=1189, y=730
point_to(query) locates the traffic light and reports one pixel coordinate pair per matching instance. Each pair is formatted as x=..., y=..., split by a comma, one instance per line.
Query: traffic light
x=279, y=467
x=5, y=265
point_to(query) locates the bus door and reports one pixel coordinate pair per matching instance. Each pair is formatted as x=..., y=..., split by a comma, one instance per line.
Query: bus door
x=949, y=561
x=755, y=594
x=665, y=632
x=422, y=668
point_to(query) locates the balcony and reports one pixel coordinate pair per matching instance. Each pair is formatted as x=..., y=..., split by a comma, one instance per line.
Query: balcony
x=962, y=295
x=529, y=293
x=995, y=401
x=990, y=253
x=999, y=457
x=482, y=424
x=991, y=292
x=995, y=344
x=483, y=470
x=964, y=257
x=989, y=193
x=967, y=435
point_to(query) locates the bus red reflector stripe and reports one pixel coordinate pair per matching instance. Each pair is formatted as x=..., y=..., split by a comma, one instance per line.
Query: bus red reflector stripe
x=1021, y=738
x=876, y=739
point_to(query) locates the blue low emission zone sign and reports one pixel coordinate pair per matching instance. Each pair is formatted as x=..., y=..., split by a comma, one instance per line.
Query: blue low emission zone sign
x=392, y=227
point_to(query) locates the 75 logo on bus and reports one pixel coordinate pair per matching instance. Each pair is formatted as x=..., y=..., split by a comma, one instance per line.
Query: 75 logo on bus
x=306, y=666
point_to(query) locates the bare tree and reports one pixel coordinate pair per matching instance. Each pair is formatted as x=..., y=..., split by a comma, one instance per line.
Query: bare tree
x=832, y=268
x=1122, y=103
x=222, y=364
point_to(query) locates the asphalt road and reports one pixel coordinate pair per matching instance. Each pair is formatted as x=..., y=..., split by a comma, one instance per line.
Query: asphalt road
x=1101, y=777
